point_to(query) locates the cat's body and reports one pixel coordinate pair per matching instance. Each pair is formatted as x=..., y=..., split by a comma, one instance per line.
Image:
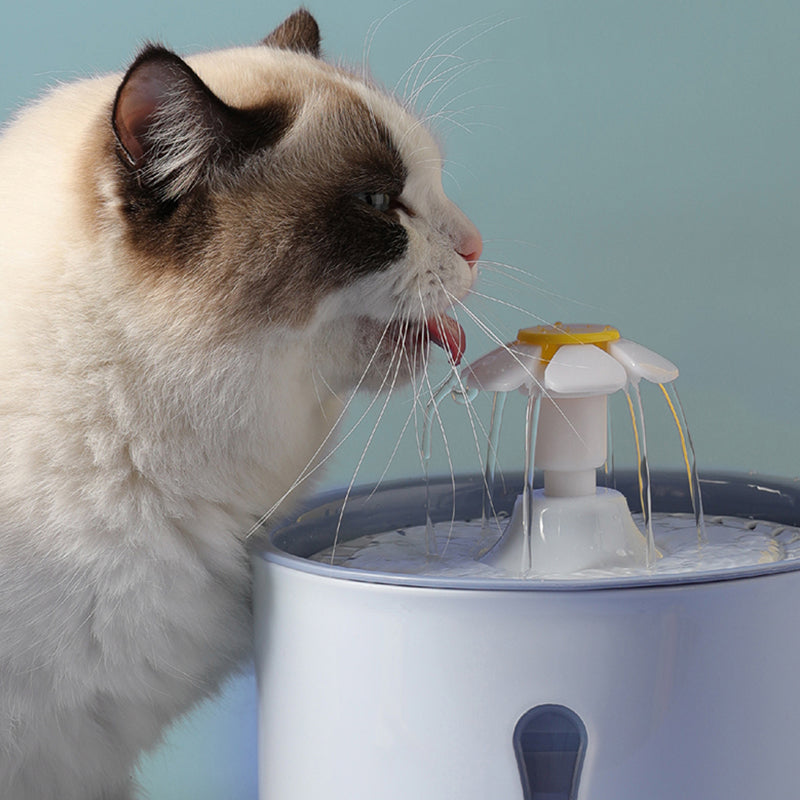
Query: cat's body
x=188, y=290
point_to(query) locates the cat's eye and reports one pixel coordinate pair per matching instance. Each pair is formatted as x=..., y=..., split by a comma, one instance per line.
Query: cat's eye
x=380, y=201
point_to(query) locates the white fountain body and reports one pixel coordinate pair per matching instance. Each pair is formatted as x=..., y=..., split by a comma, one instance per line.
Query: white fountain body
x=385, y=686
x=569, y=525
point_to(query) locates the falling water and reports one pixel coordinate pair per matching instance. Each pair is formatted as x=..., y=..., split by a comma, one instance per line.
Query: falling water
x=489, y=523
x=437, y=395
x=689, y=457
x=451, y=385
x=488, y=508
x=531, y=428
x=609, y=476
x=640, y=435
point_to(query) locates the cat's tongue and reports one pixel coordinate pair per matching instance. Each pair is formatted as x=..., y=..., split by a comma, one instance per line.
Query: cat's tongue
x=449, y=335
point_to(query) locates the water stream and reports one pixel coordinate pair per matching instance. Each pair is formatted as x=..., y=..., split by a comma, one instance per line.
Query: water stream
x=690, y=459
x=491, y=527
x=490, y=468
x=643, y=468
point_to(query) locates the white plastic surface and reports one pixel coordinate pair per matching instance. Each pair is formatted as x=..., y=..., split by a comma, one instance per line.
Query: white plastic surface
x=575, y=370
x=640, y=362
x=505, y=369
x=572, y=433
x=571, y=442
x=578, y=370
x=569, y=534
x=394, y=692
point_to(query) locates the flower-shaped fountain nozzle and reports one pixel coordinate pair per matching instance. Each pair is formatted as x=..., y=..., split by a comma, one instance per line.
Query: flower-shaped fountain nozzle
x=573, y=368
x=569, y=370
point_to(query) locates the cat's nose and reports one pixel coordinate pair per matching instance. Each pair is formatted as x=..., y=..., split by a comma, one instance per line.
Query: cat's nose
x=470, y=245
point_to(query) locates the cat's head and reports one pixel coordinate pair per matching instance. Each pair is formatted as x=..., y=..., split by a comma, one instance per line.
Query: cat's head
x=269, y=189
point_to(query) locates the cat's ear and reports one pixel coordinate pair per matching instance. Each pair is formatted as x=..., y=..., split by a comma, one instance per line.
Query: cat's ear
x=166, y=121
x=172, y=130
x=298, y=32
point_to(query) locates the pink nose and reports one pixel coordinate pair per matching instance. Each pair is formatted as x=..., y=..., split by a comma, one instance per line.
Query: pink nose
x=471, y=246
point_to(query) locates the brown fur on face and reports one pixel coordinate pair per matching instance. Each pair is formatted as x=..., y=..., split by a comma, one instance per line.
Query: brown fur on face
x=261, y=188
x=271, y=221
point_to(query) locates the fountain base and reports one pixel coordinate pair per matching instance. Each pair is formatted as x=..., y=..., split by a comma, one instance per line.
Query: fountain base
x=568, y=535
x=396, y=686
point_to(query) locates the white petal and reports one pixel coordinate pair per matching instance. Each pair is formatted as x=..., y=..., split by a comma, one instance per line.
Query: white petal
x=582, y=369
x=639, y=362
x=504, y=369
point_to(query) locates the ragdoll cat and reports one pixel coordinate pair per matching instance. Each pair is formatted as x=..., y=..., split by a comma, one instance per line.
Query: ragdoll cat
x=200, y=259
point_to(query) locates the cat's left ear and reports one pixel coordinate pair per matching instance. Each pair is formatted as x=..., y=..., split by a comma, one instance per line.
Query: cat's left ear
x=173, y=131
x=164, y=121
x=298, y=32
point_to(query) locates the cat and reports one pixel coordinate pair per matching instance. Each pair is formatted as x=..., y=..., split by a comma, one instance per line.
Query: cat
x=200, y=260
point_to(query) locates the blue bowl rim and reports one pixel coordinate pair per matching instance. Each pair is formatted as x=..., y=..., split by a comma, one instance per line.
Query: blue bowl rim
x=401, y=503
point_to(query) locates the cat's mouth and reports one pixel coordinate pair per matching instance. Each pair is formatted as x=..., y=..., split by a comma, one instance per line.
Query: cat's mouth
x=449, y=335
x=439, y=329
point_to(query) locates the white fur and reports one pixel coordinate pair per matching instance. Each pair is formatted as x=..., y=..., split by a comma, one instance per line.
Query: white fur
x=136, y=447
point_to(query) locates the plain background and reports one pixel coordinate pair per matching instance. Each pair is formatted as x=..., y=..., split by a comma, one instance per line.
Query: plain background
x=631, y=162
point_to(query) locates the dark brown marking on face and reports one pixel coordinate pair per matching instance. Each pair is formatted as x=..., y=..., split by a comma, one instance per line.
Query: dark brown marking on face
x=298, y=32
x=273, y=226
x=308, y=233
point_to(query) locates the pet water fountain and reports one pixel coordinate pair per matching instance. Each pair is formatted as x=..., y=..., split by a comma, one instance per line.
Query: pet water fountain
x=477, y=638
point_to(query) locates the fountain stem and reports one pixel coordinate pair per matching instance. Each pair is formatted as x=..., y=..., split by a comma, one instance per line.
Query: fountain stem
x=580, y=483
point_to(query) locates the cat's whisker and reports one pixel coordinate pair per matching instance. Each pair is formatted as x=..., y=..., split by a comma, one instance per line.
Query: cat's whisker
x=502, y=267
x=441, y=65
x=422, y=60
x=506, y=304
x=524, y=276
x=511, y=268
x=372, y=31
x=495, y=26
x=451, y=117
x=426, y=117
x=495, y=337
x=443, y=78
x=452, y=177
x=449, y=82
x=533, y=283
x=540, y=387
x=357, y=469
x=411, y=364
x=314, y=376
x=428, y=55
x=313, y=464
x=318, y=375
x=457, y=32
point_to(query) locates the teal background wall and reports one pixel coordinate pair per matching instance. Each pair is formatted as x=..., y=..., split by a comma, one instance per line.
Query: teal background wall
x=632, y=162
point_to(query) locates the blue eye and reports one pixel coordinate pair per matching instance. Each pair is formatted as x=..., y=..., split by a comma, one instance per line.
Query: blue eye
x=380, y=201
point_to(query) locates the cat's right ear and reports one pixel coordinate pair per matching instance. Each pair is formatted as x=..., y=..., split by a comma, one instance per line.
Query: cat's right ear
x=298, y=32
